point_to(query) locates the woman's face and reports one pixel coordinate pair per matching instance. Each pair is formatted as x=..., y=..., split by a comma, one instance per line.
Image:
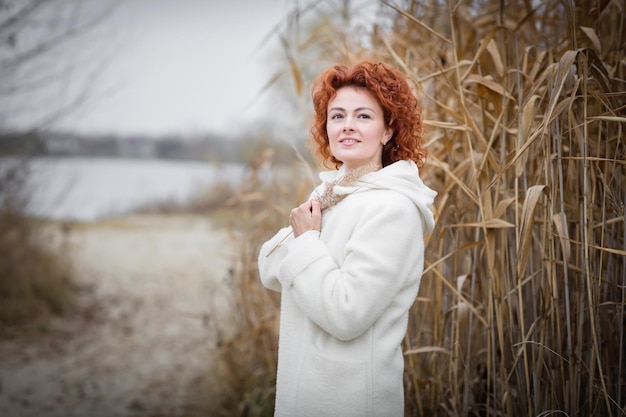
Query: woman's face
x=356, y=128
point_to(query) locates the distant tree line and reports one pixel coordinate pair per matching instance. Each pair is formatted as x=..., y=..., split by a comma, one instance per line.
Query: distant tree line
x=212, y=148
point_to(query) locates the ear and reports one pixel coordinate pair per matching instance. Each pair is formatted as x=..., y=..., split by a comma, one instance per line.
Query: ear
x=387, y=136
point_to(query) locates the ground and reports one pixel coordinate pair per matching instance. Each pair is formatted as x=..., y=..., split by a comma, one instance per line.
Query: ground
x=149, y=285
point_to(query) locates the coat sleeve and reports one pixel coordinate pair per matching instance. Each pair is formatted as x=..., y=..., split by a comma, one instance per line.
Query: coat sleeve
x=270, y=256
x=383, y=256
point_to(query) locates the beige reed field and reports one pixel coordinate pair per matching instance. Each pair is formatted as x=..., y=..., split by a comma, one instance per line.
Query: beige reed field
x=521, y=311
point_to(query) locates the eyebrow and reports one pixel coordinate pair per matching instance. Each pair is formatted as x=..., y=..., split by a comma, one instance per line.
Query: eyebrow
x=358, y=109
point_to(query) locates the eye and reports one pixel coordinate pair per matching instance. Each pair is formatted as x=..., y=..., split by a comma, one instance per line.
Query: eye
x=336, y=116
x=364, y=116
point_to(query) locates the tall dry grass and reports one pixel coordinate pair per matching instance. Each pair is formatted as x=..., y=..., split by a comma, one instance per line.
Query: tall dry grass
x=244, y=321
x=522, y=306
x=521, y=312
x=35, y=281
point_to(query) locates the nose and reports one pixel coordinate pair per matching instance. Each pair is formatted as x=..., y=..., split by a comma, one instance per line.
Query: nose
x=348, y=124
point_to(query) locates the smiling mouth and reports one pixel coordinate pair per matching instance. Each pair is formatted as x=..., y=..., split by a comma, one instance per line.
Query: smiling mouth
x=349, y=141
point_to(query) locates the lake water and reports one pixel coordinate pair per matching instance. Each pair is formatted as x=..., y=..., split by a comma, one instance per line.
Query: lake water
x=87, y=189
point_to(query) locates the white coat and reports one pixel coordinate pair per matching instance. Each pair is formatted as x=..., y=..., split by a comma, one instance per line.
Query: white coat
x=345, y=296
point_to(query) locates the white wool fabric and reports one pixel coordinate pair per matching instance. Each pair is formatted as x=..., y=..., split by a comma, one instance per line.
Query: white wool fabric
x=345, y=296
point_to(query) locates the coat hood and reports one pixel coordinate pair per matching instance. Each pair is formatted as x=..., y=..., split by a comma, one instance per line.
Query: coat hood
x=401, y=176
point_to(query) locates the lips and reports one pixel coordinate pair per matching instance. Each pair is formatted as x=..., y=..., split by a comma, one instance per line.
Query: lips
x=349, y=141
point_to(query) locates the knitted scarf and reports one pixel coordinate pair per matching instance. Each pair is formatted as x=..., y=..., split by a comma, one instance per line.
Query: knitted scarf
x=328, y=198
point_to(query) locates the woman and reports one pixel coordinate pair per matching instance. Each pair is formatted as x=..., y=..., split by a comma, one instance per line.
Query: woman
x=349, y=266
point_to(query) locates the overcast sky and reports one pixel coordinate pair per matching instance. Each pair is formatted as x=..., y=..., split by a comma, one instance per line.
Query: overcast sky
x=181, y=66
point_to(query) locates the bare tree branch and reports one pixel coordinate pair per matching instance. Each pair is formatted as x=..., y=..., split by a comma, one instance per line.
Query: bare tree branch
x=38, y=71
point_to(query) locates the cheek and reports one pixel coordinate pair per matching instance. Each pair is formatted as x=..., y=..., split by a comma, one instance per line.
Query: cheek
x=331, y=131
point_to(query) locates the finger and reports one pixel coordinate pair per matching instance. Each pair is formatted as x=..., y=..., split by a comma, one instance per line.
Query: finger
x=306, y=206
x=316, y=208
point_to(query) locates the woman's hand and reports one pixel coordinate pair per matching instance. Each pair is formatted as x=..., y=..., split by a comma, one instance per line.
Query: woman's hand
x=307, y=216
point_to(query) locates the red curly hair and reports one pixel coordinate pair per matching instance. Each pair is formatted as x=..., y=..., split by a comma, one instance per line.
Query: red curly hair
x=402, y=112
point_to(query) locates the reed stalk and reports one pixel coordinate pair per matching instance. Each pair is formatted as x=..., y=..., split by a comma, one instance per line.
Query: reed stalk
x=521, y=311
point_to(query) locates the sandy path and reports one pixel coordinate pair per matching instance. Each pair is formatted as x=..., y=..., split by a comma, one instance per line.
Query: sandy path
x=143, y=337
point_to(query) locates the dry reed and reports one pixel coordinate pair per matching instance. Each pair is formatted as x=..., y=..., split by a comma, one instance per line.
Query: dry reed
x=521, y=312
x=35, y=282
x=522, y=306
x=241, y=381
